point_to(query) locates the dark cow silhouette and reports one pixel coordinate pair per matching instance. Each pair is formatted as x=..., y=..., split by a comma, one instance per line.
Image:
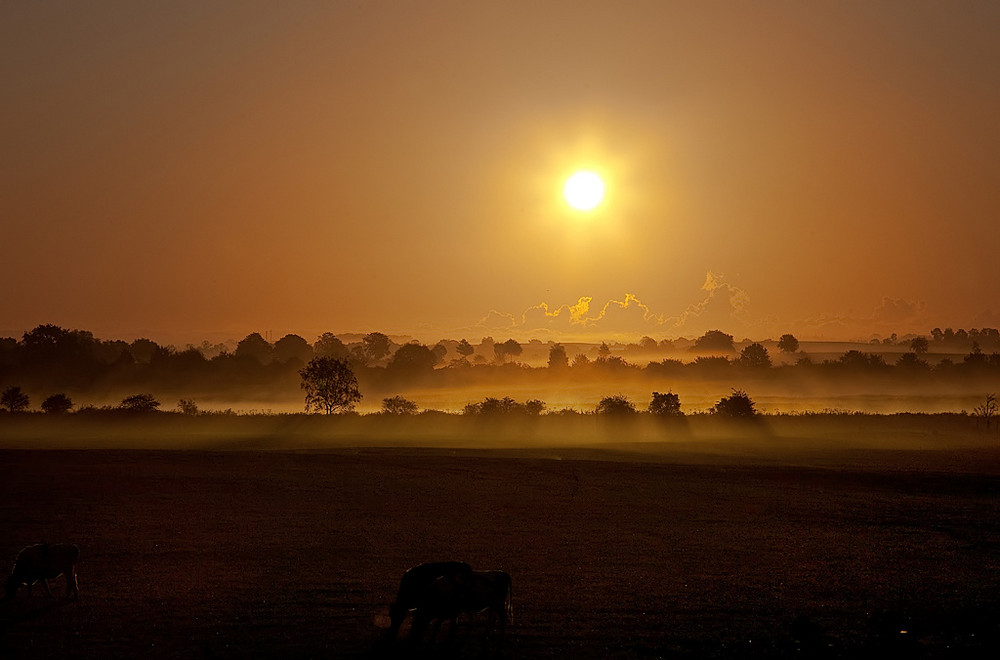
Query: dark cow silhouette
x=41, y=563
x=442, y=591
x=418, y=594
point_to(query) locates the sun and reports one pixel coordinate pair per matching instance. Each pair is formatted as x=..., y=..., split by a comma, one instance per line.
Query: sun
x=584, y=190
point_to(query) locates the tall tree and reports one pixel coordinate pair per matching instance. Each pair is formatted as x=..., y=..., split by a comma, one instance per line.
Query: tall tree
x=788, y=343
x=375, y=346
x=465, y=349
x=330, y=385
x=714, y=340
x=557, y=357
x=754, y=355
x=292, y=347
x=507, y=349
x=256, y=347
x=14, y=400
x=329, y=346
x=413, y=359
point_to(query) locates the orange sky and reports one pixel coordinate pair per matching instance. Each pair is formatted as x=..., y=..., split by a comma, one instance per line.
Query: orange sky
x=189, y=170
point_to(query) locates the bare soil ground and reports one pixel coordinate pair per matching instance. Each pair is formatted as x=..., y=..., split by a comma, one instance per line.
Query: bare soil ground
x=199, y=554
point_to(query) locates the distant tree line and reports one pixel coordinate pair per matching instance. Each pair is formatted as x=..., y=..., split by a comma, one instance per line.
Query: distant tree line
x=55, y=363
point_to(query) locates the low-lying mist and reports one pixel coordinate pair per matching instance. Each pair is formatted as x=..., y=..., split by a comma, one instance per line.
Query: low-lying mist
x=809, y=438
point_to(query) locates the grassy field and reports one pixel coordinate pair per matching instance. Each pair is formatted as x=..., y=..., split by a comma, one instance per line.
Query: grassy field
x=637, y=550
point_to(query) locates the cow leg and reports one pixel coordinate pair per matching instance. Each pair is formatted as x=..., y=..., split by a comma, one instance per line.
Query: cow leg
x=452, y=625
x=48, y=590
x=397, y=614
x=434, y=630
x=420, y=621
x=72, y=585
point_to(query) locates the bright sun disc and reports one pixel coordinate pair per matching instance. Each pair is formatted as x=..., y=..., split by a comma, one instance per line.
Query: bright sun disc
x=584, y=191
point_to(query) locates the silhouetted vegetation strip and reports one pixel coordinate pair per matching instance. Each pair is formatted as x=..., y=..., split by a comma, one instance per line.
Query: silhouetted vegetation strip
x=50, y=361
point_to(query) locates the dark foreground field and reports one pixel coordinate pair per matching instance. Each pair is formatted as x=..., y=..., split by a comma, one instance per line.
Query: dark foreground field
x=297, y=555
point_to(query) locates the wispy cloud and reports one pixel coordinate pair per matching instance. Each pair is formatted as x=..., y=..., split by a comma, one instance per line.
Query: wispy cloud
x=720, y=305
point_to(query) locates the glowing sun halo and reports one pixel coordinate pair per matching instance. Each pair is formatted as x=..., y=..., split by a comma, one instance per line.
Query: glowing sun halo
x=584, y=191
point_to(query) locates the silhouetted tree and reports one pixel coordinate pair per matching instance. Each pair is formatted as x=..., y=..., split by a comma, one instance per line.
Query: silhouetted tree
x=329, y=346
x=465, y=349
x=14, y=400
x=397, y=405
x=581, y=361
x=919, y=345
x=557, y=357
x=68, y=355
x=375, y=346
x=988, y=410
x=912, y=361
x=617, y=405
x=187, y=407
x=976, y=358
x=139, y=403
x=788, y=343
x=859, y=360
x=256, y=347
x=737, y=405
x=330, y=385
x=509, y=348
x=612, y=363
x=664, y=367
x=647, y=344
x=57, y=404
x=411, y=360
x=711, y=364
x=714, y=340
x=292, y=347
x=439, y=351
x=754, y=356
x=603, y=350
x=143, y=350
x=665, y=405
x=492, y=406
x=534, y=407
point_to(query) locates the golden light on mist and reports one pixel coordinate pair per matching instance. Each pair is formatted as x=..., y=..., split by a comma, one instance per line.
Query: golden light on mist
x=584, y=191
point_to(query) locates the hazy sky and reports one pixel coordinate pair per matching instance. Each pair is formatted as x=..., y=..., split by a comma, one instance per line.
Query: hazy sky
x=190, y=169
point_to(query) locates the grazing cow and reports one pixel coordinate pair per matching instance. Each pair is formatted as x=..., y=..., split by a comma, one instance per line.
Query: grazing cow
x=438, y=595
x=417, y=590
x=42, y=562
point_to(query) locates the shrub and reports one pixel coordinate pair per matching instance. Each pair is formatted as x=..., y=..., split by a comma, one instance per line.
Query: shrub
x=57, y=404
x=139, y=403
x=737, y=405
x=491, y=406
x=665, y=405
x=398, y=405
x=616, y=406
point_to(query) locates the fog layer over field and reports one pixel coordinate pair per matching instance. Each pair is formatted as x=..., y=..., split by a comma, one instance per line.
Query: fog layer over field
x=803, y=439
